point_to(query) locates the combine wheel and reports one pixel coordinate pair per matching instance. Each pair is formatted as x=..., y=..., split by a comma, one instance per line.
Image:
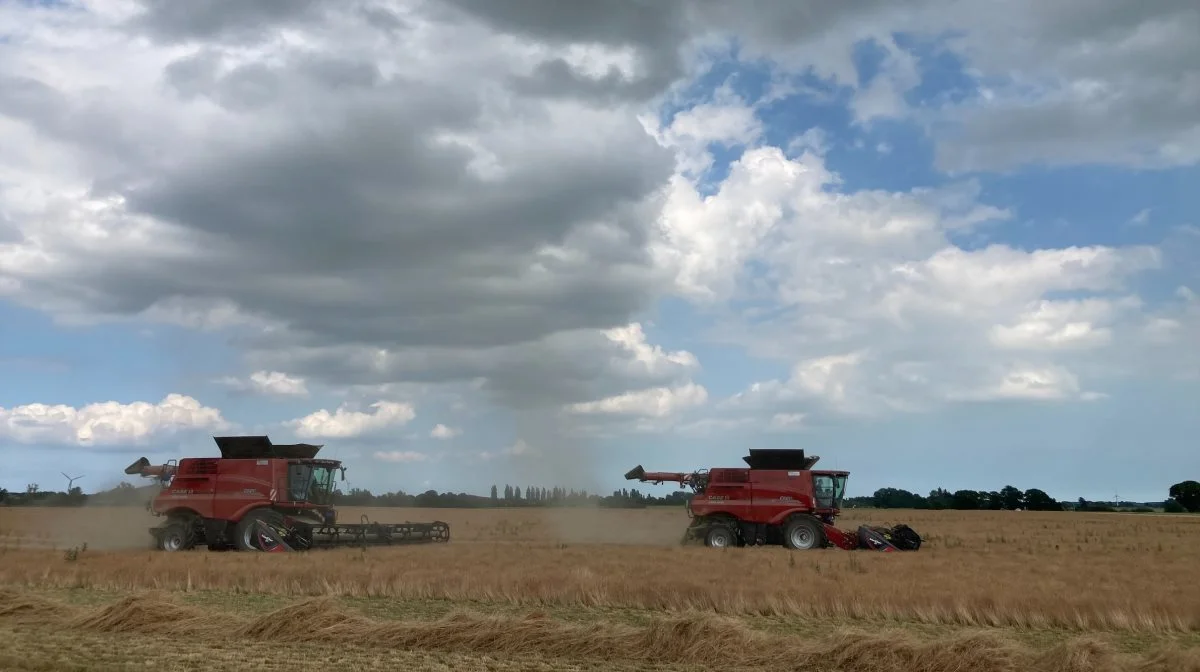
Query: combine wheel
x=802, y=533
x=176, y=536
x=247, y=536
x=719, y=536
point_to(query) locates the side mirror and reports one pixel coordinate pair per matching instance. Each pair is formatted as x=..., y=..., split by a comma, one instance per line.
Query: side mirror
x=343, y=470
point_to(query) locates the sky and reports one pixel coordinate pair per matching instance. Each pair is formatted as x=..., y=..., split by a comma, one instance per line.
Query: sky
x=472, y=242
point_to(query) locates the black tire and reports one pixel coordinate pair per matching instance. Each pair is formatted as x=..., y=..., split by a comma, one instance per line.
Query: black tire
x=246, y=534
x=720, y=536
x=803, y=533
x=176, y=536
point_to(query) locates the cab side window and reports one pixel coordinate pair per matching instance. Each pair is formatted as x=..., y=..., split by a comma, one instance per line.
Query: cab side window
x=823, y=490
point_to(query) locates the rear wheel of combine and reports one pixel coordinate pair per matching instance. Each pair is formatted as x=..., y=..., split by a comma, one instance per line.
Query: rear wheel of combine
x=719, y=536
x=176, y=536
x=802, y=533
x=247, y=535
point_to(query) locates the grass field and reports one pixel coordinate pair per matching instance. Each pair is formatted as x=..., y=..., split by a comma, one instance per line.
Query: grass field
x=609, y=590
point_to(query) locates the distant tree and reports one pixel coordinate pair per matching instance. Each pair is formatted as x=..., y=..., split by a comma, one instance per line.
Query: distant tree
x=1094, y=507
x=968, y=500
x=495, y=494
x=1011, y=498
x=1037, y=500
x=75, y=497
x=941, y=498
x=1187, y=493
x=895, y=498
x=1172, y=506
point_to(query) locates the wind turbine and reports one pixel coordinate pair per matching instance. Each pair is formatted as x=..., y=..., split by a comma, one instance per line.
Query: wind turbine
x=70, y=480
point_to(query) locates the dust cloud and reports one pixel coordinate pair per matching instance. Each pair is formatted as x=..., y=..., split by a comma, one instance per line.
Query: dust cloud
x=561, y=454
x=115, y=518
x=99, y=527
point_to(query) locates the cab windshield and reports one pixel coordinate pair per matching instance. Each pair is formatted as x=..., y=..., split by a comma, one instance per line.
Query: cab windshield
x=839, y=490
x=828, y=490
x=312, y=483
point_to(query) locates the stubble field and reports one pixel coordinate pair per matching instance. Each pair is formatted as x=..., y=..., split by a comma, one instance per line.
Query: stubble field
x=527, y=589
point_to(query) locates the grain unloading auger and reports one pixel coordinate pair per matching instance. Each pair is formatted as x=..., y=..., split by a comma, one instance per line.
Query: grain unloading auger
x=260, y=496
x=776, y=499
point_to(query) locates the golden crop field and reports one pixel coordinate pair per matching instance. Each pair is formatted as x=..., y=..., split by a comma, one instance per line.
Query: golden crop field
x=535, y=589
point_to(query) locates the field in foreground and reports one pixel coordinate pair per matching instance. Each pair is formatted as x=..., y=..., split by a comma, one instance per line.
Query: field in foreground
x=562, y=590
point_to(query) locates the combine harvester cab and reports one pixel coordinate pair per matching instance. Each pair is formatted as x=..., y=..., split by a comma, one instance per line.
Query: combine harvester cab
x=777, y=499
x=260, y=496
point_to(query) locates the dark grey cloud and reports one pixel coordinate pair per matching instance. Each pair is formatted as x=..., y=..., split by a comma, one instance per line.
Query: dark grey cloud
x=1095, y=83
x=257, y=86
x=10, y=230
x=563, y=367
x=654, y=30
x=233, y=20
x=639, y=23
x=347, y=199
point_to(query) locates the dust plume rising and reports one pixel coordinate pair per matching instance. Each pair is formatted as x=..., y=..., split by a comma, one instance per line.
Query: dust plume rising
x=561, y=453
x=112, y=526
x=98, y=527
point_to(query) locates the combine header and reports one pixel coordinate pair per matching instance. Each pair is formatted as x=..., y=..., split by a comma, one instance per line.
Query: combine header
x=777, y=499
x=260, y=496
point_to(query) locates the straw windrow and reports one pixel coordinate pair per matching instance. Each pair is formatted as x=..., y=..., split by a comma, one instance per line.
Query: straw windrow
x=701, y=640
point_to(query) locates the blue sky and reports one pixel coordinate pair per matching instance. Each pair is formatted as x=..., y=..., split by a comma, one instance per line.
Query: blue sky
x=546, y=286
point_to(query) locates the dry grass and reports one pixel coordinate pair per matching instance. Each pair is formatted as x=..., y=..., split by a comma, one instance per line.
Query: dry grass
x=697, y=640
x=1017, y=586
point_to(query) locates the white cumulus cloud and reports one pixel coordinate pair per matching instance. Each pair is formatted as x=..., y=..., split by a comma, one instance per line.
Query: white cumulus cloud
x=107, y=423
x=400, y=456
x=441, y=431
x=269, y=383
x=653, y=402
x=344, y=423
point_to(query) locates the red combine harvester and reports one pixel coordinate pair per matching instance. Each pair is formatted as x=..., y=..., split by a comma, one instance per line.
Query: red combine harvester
x=777, y=499
x=260, y=496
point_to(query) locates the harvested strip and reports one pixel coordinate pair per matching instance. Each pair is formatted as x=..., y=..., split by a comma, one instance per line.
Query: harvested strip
x=700, y=640
x=704, y=640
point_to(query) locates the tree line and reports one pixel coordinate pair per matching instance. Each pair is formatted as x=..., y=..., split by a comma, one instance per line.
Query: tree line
x=1182, y=497
x=35, y=496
